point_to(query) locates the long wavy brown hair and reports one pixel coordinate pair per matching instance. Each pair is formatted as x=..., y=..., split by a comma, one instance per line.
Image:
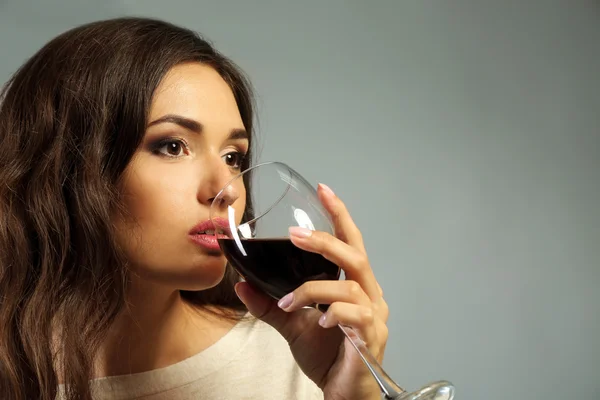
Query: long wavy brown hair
x=70, y=120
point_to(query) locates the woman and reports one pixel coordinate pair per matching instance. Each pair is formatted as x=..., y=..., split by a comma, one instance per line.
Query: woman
x=114, y=138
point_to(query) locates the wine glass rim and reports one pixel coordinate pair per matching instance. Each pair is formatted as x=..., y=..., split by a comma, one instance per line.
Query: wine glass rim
x=241, y=174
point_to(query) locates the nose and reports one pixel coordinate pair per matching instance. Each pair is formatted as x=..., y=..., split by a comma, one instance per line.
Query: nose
x=214, y=189
x=226, y=197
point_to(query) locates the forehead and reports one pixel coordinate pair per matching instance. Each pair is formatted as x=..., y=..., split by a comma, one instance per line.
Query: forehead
x=196, y=91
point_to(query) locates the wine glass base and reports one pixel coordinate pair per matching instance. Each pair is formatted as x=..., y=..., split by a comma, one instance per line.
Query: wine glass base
x=441, y=390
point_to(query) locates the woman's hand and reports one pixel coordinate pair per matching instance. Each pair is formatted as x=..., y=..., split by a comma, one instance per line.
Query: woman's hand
x=319, y=347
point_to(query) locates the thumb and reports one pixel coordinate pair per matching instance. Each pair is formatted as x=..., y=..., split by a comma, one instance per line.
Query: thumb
x=262, y=306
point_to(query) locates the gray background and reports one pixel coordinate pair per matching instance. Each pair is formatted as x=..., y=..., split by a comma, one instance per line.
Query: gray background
x=464, y=137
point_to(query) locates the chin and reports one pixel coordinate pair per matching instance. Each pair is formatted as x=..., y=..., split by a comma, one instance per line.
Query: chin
x=209, y=275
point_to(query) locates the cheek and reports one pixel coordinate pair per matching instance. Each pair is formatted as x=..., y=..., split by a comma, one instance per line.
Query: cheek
x=156, y=195
x=155, y=210
x=160, y=203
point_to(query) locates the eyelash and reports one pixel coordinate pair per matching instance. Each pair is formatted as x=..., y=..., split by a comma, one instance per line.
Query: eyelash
x=161, y=144
x=241, y=158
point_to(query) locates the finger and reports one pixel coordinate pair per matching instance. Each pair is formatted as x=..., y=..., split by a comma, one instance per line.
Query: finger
x=261, y=306
x=345, y=228
x=361, y=319
x=353, y=261
x=381, y=309
x=324, y=292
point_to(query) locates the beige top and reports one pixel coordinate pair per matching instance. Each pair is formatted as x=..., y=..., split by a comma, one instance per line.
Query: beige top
x=252, y=361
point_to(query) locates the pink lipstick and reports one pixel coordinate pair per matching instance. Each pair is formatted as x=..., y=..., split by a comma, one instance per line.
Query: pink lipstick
x=203, y=234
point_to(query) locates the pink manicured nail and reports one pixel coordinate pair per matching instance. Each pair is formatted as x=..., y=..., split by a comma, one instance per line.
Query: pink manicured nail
x=286, y=301
x=323, y=319
x=300, y=232
x=327, y=189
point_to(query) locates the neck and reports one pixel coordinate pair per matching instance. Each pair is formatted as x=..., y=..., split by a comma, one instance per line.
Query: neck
x=156, y=329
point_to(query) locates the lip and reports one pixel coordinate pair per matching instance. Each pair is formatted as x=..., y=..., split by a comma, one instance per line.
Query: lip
x=210, y=241
x=221, y=224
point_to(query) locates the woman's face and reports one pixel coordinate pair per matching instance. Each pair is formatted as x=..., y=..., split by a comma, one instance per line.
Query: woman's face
x=194, y=144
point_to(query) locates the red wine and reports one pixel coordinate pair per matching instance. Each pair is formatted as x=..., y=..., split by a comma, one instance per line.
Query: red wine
x=276, y=266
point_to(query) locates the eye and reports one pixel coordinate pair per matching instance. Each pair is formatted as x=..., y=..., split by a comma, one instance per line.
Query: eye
x=234, y=159
x=171, y=148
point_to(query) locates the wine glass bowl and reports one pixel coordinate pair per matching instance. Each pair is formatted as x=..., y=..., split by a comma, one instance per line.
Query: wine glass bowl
x=256, y=240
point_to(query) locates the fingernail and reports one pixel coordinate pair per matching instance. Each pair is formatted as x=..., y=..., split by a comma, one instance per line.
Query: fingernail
x=286, y=301
x=237, y=292
x=327, y=189
x=300, y=232
x=323, y=319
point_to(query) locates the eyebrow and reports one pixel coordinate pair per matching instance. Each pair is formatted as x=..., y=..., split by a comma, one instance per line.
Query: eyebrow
x=196, y=126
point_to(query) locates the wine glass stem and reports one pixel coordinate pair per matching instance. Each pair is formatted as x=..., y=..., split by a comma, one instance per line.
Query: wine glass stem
x=388, y=387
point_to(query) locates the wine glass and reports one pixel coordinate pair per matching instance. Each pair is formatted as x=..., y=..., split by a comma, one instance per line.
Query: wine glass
x=256, y=242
